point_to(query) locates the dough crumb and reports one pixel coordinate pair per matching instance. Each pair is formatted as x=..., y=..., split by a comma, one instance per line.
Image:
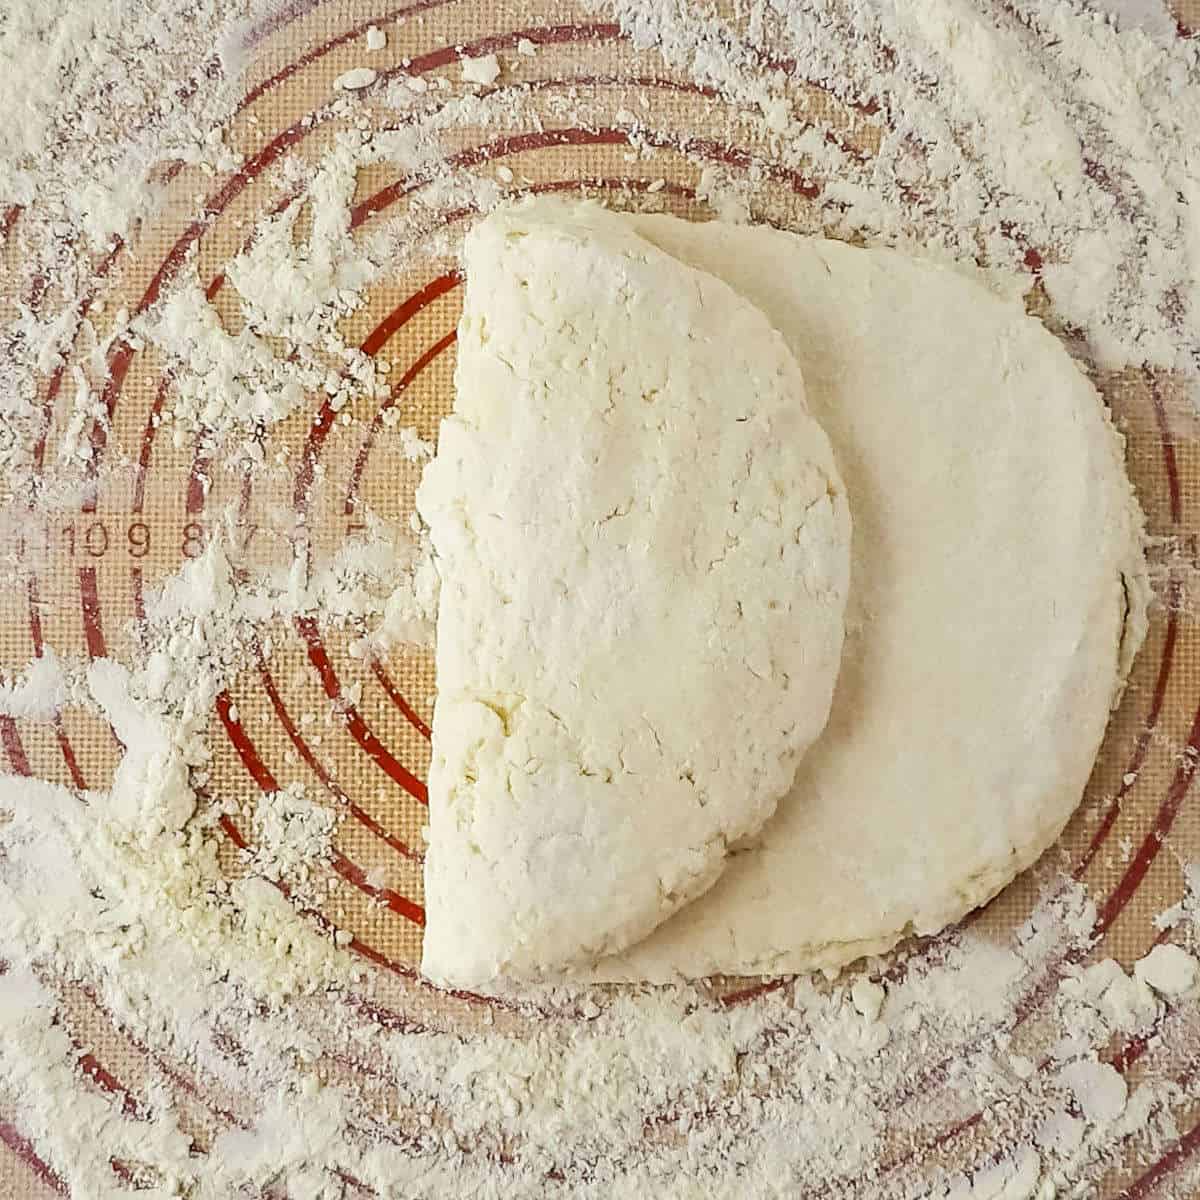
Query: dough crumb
x=1169, y=970
x=353, y=80
x=413, y=446
x=1098, y=1088
x=376, y=38
x=483, y=70
x=867, y=998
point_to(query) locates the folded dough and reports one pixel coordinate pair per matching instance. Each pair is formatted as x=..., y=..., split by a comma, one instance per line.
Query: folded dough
x=998, y=596
x=644, y=549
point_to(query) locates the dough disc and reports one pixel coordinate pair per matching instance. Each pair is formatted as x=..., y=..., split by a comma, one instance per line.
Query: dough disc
x=998, y=595
x=644, y=548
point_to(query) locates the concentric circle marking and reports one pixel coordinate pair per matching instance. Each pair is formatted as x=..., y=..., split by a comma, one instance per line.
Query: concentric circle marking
x=92, y=623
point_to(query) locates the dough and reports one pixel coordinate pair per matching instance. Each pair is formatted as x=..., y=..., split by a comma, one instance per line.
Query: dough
x=998, y=595
x=644, y=549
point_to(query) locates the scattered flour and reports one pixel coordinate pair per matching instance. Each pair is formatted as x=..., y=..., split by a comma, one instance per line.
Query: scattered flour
x=292, y=838
x=1005, y=128
x=225, y=383
x=39, y=692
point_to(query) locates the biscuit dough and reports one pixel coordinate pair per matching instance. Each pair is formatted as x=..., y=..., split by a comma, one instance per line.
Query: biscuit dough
x=644, y=549
x=998, y=596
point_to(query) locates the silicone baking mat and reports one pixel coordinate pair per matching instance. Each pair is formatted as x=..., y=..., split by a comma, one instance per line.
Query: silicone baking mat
x=81, y=577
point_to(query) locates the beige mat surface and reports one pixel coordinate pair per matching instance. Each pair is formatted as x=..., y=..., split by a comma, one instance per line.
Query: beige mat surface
x=75, y=582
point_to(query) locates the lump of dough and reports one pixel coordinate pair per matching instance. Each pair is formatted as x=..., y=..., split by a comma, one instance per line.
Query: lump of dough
x=998, y=596
x=644, y=550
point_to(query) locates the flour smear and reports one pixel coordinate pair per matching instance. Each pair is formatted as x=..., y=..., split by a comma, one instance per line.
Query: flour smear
x=183, y=1009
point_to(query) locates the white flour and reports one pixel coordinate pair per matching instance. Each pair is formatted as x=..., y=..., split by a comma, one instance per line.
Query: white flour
x=290, y=838
x=263, y=1054
x=1022, y=126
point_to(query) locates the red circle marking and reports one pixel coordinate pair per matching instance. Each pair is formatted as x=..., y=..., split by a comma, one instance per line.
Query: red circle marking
x=89, y=603
x=323, y=422
x=427, y=357
x=267, y=784
x=60, y=733
x=172, y=1072
x=1141, y=746
x=539, y=35
x=406, y=310
x=1152, y=843
x=318, y=768
x=358, y=728
x=55, y=381
x=603, y=135
x=147, y=443
x=831, y=137
x=24, y=1149
x=273, y=24
x=14, y=748
x=1168, y=447
x=1183, y=1149
x=1124, y=1058
x=396, y=697
x=95, y=1070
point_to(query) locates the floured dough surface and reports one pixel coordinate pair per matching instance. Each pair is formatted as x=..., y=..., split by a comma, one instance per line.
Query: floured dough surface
x=998, y=595
x=644, y=548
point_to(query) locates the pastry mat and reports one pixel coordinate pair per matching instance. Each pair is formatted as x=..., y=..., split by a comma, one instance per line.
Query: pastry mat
x=81, y=575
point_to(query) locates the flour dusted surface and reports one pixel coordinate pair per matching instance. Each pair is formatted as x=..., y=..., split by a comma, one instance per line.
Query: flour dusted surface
x=374, y=1083
x=644, y=550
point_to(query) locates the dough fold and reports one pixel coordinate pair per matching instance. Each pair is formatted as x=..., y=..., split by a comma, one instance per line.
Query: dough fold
x=644, y=549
